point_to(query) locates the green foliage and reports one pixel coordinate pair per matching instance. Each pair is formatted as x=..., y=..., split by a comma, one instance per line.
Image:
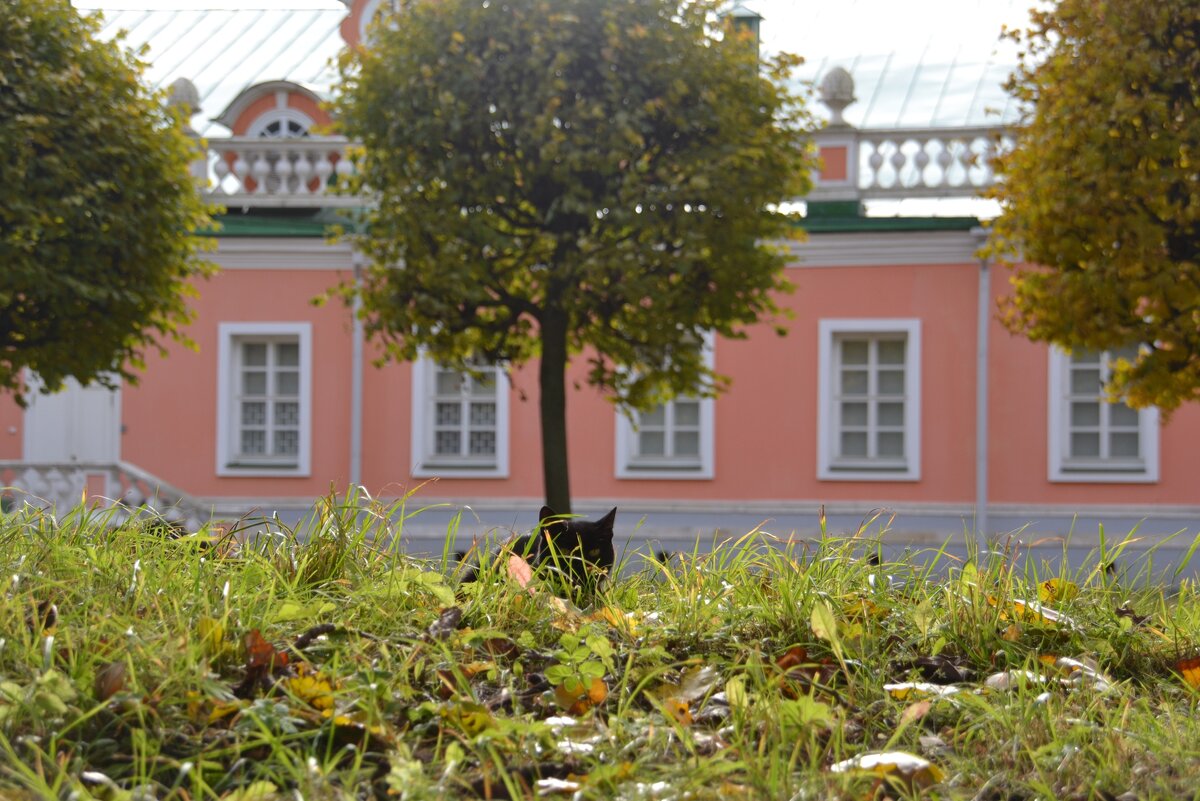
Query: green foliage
x=97, y=206
x=204, y=665
x=1103, y=189
x=559, y=177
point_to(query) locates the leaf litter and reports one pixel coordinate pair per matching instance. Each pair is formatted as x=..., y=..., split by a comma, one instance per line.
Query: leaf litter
x=756, y=670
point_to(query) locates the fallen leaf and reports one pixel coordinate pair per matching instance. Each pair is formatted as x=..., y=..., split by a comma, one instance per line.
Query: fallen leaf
x=520, y=571
x=1127, y=612
x=578, y=695
x=110, y=680
x=909, y=769
x=823, y=623
x=43, y=618
x=500, y=646
x=446, y=623
x=470, y=718
x=1013, y=678
x=678, y=709
x=1057, y=590
x=918, y=689
x=262, y=660
x=312, y=688
x=915, y=712
x=1189, y=671
x=796, y=655
x=939, y=669
x=212, y=637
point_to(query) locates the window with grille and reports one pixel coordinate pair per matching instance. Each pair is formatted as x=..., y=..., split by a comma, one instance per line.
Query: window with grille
x=673, y=440
x=460, y=421
x=1091, y=438
x=869, y=386
x=264, y=384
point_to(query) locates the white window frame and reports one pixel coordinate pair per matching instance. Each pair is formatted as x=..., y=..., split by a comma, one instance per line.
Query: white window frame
x=282, y=113
x=427, y=464
x=1061, y=469
x=228, y=366
x=828, y=412
x=631, y=465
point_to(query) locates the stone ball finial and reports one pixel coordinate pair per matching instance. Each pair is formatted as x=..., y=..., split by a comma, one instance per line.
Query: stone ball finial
x=837, y=92
x=183, y=94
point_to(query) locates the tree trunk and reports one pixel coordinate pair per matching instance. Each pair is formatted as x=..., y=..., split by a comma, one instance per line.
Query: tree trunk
x=552, y=384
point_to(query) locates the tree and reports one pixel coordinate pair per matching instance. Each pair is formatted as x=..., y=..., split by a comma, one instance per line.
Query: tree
x=97, y=206
x=557, y=178
x=1103, y=189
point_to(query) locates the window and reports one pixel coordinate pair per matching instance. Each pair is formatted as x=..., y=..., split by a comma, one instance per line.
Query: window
x=1092, y=440
x=674, y=440
x=869, y=400
x=264, y=390
x=281, y=122
x=460, y=422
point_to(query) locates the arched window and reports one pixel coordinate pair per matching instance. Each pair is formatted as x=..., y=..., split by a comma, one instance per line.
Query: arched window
x=281, y=123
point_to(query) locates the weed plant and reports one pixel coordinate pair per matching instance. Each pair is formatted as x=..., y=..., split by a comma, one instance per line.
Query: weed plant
x=260, y=661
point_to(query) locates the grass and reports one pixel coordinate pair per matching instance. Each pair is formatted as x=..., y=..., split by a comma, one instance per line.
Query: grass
x=135, y=663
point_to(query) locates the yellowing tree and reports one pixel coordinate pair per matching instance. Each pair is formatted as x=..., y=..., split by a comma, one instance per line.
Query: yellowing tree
x=555, y=177
x=97, y=206
x=1103, y=190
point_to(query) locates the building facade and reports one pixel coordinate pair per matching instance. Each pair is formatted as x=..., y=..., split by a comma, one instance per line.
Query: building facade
x=895, y=389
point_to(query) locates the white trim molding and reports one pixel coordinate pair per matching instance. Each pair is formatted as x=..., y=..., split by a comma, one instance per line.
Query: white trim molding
x=1100, y=425
x=872, y=400
x=426, y=462
x=282, y=253
x=230, y=335
x=885, y=249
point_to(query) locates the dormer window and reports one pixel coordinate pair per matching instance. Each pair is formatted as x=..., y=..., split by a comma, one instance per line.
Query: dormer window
x=283, y=129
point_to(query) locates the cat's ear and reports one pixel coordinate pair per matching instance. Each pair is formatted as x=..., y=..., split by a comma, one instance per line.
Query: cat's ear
x=608, y=520
x=544, y=516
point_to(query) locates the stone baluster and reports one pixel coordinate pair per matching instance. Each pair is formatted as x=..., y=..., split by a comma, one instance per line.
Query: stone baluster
x=303, y=169
x=283, y=173
x=241, y=168
x=260, y=168
x=220, y=171
x=323, y=169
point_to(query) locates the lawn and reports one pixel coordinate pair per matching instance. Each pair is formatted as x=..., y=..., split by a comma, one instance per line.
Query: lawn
x=136, y=663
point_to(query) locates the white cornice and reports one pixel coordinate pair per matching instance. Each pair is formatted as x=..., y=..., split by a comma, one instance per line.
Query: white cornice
x=282, y=253
x=882, y=249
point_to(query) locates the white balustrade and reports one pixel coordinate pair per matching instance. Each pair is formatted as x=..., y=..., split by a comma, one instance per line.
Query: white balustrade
x=253, y=171
x=917, y=162
x=119, y=490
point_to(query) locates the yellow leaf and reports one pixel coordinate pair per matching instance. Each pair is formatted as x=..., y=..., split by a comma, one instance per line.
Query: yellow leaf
x=1189, y=671
x=578, y=695
x=678, y=709
x=1056, y=590
x=315, y=690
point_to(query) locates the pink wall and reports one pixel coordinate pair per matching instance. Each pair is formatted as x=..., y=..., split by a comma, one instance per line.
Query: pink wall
x=1018, y=420
x=765, y=427
x=11, y=427
x=765, y=445
x=171, y=416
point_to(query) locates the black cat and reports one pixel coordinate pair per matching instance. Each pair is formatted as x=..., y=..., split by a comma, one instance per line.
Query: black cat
x=579, y=549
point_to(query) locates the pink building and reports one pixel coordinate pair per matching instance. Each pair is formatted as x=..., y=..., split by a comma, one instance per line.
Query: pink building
x=896, y=387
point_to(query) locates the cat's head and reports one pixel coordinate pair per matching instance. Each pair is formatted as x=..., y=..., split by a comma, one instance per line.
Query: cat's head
x=593, y=539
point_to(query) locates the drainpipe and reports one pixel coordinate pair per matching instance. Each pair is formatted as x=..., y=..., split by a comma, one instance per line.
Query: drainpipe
x=981, y=394
x=356, y=376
